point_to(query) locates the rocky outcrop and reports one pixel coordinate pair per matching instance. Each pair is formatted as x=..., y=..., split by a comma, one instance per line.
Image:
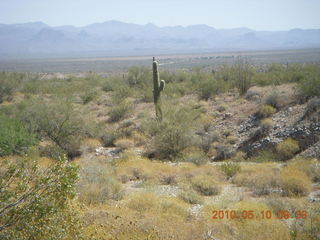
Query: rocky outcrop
x=287, y=123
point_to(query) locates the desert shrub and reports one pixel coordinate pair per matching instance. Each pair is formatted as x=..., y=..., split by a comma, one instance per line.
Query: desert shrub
x=8, y=85
x=265, y=156
x=191, y=197
x=266, y=111
x=124, y=143
x=97, y=183
x=262, y=178
x=205, y=122
x=232, y=139
x=273, y=100
x=14, y=137
x=51, y=151
x=230, y=168
x=120, y=93
x=108, y=138
x=88, y=96
x=253, y=95
x=310, y=85
x=224, y=152
x=209, y=87
x=309, y=166
x=143, y=202
x=174, y=133
x=110, y=84
x=139, y=76
x=266, y=125
x=312, y=106
x=287, y=148
x=120, y=111
x=196, y=156
x=130, y=167
x=295, y=182
x=205, y=185
x=57, y=120
x=38, y=203
x=221, y=108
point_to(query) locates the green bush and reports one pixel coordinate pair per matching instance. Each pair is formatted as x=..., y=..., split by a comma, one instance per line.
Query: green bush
x=36, y=202
x=230, y=168
x=210, y=87
x=120, y=93
x=174, y=133
x=57, y=120
x=14, y=137
x=8, y=85
x=310, y=85
x=120, y=111
x=139, y=76
x=88, y=96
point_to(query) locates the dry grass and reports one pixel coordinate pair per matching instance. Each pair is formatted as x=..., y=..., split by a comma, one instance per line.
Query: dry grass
x=97, y=183
x=295, y=182
x=206, y=185
x=310, y=167
x=260, y=178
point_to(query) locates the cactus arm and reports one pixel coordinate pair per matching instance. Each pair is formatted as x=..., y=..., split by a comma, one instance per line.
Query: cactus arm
x=162, y=85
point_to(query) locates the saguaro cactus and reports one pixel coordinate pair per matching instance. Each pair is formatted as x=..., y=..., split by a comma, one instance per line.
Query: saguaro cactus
x=158, y=86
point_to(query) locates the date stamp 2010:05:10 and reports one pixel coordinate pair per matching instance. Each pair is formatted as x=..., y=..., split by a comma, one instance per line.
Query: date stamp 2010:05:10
x=265, y=214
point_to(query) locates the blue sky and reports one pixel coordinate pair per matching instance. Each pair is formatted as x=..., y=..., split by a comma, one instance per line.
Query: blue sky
x=255, y=14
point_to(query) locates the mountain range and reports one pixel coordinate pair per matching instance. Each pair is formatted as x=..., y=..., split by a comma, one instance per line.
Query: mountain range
x=114, y=38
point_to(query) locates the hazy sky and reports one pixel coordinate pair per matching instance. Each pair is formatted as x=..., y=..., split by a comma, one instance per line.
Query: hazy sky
x=255, y=14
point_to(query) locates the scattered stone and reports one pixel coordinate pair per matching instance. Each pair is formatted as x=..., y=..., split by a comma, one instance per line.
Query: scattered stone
x=109, y=152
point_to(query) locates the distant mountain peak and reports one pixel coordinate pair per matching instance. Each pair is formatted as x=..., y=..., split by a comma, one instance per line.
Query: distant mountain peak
x=116, y=37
